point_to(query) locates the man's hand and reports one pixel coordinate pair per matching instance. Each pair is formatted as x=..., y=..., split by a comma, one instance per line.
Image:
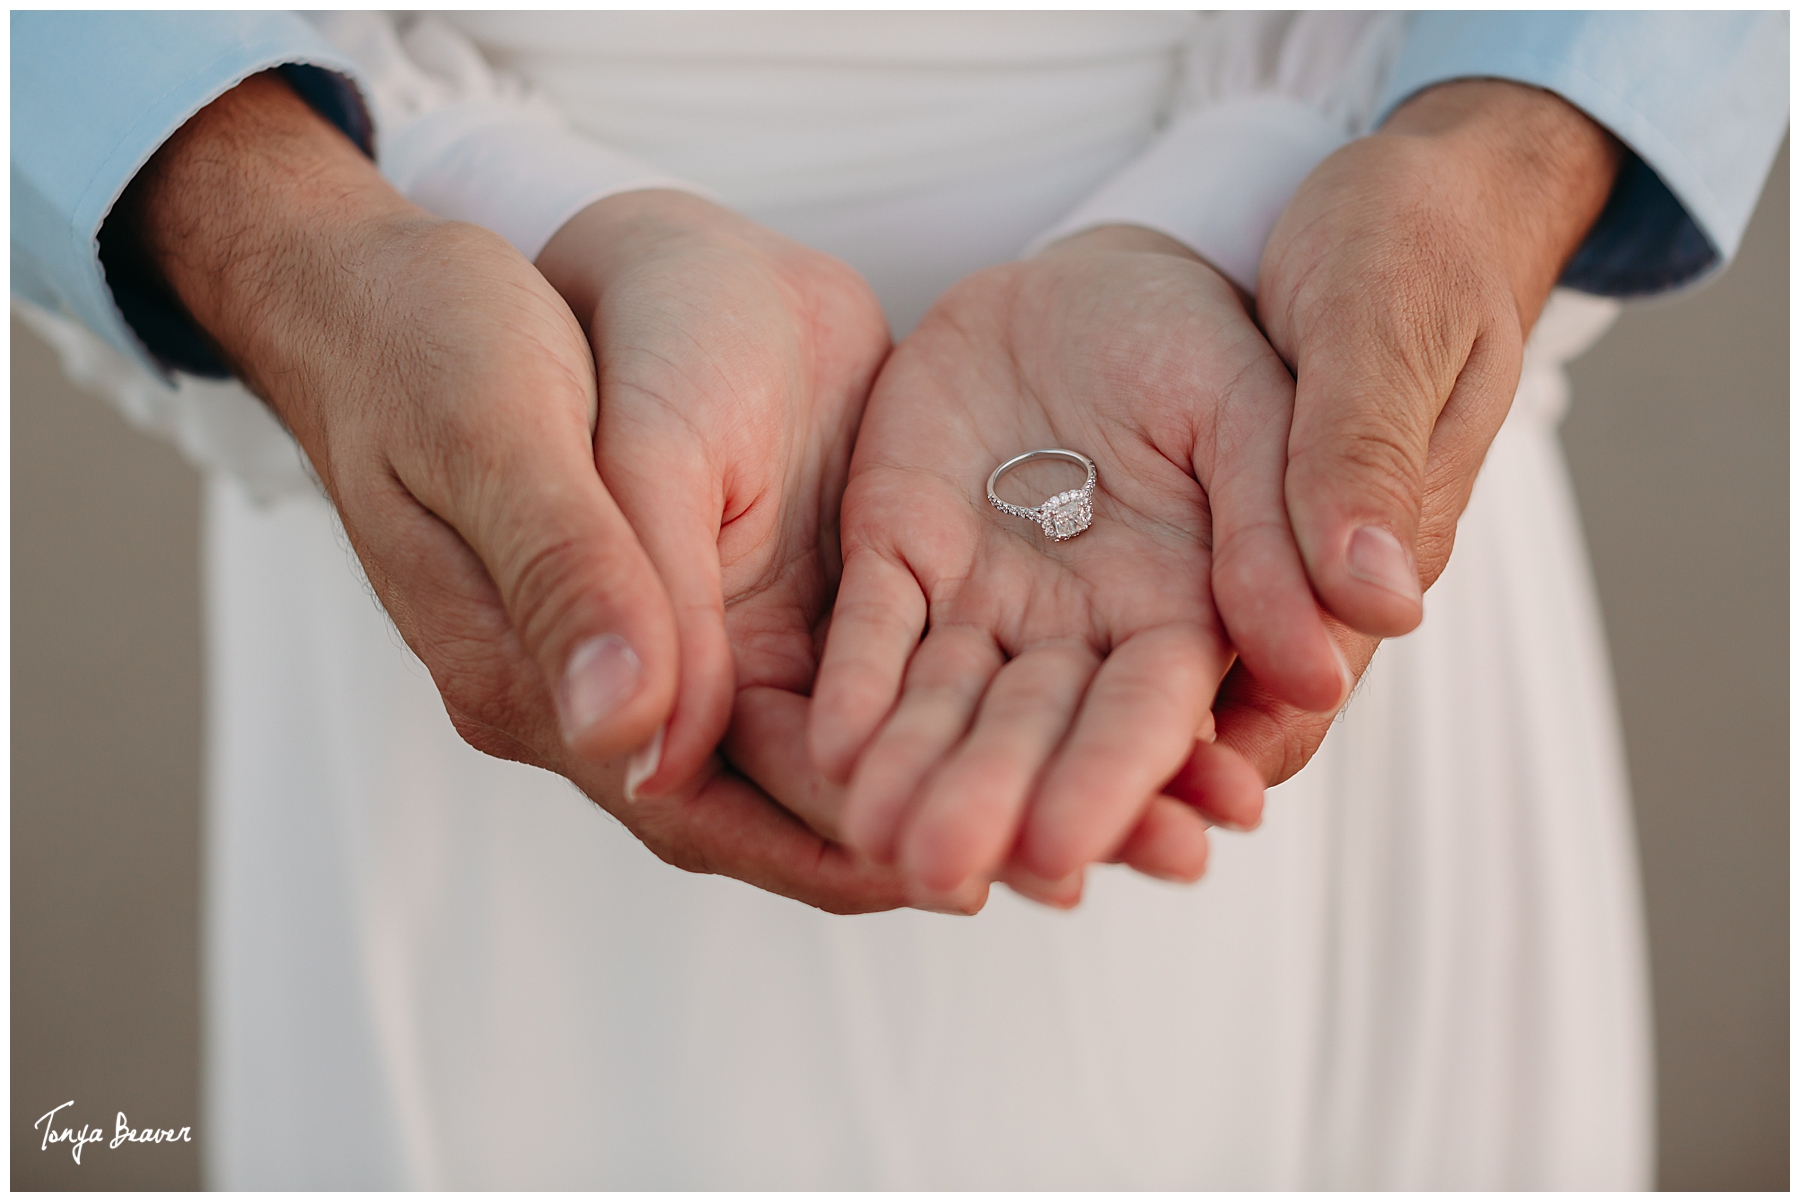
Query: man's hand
x=446, y=396
x=983, y=687
x=1400, y=285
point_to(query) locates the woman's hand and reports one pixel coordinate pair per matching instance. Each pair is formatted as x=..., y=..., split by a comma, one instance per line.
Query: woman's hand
x=446, y=396
x=984, y=687
x=733, y=367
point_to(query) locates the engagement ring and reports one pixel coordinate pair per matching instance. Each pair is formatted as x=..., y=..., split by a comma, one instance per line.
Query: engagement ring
x=1067, y=513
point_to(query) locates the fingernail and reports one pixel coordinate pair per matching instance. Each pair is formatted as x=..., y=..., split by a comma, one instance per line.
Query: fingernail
x=1063, y=894
x=1173, y=878
x=962, y=901
x=1067, y=892
x=1377, y=557
x=644, y=762
x=953, y=908
x=602, y=675
x=1344, y=672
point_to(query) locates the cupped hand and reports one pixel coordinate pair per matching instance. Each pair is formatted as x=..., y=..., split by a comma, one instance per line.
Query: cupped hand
x=446, y=396
x=1400, y=284
x=1001, y=704
x=733, y=366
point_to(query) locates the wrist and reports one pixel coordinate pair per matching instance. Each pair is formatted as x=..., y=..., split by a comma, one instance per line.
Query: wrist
x=1113, y=239
x=1136, y=239
x=262, y=220
x=1530, y=169
x=613, y=233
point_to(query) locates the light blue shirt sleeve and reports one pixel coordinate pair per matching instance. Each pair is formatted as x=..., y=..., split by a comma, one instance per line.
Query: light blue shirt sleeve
x=1700, y=99
x=93, y=96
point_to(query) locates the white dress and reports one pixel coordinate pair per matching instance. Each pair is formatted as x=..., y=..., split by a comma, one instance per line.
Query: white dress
x=430, y=968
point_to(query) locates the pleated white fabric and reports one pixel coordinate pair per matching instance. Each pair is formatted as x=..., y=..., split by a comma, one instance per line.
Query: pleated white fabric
x=430, y=968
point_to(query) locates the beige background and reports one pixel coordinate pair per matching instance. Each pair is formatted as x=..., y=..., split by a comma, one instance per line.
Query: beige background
x=1678, y=440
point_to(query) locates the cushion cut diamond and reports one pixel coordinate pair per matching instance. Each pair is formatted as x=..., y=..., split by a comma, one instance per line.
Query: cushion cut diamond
x=1066, y=514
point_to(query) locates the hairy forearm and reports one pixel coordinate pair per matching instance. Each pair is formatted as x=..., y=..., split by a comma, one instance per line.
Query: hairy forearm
x=256, y=216
x=1538, y=169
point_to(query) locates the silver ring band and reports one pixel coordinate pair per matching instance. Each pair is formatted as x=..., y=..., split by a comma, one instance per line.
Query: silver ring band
x=1067, y=513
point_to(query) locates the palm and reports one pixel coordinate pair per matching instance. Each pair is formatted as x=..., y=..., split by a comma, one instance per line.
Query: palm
x=917, y=496
x=1062, y=683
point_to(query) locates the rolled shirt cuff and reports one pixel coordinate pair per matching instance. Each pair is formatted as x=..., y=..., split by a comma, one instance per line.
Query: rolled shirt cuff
x=94, y=96
x=1656, y=233
x=1698, y=98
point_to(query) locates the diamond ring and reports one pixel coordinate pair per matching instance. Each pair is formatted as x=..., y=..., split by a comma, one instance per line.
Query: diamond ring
x=1067, y=513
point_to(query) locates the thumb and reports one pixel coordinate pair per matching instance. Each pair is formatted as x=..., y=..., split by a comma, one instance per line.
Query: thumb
x=579, y=590
x=1367, y=413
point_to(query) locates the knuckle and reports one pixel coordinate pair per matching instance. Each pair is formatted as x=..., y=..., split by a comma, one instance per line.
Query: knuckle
x=1248, y=544
x=1435, y=542
x=685, y=855
x=1380, y=452
x=548, y=587
x=1417, y=303
x=488, y=737
x=675, y=844
x=873, y=618
x=1379, y=465
x=490, y=688
x=850, y=687
x=494, y=695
